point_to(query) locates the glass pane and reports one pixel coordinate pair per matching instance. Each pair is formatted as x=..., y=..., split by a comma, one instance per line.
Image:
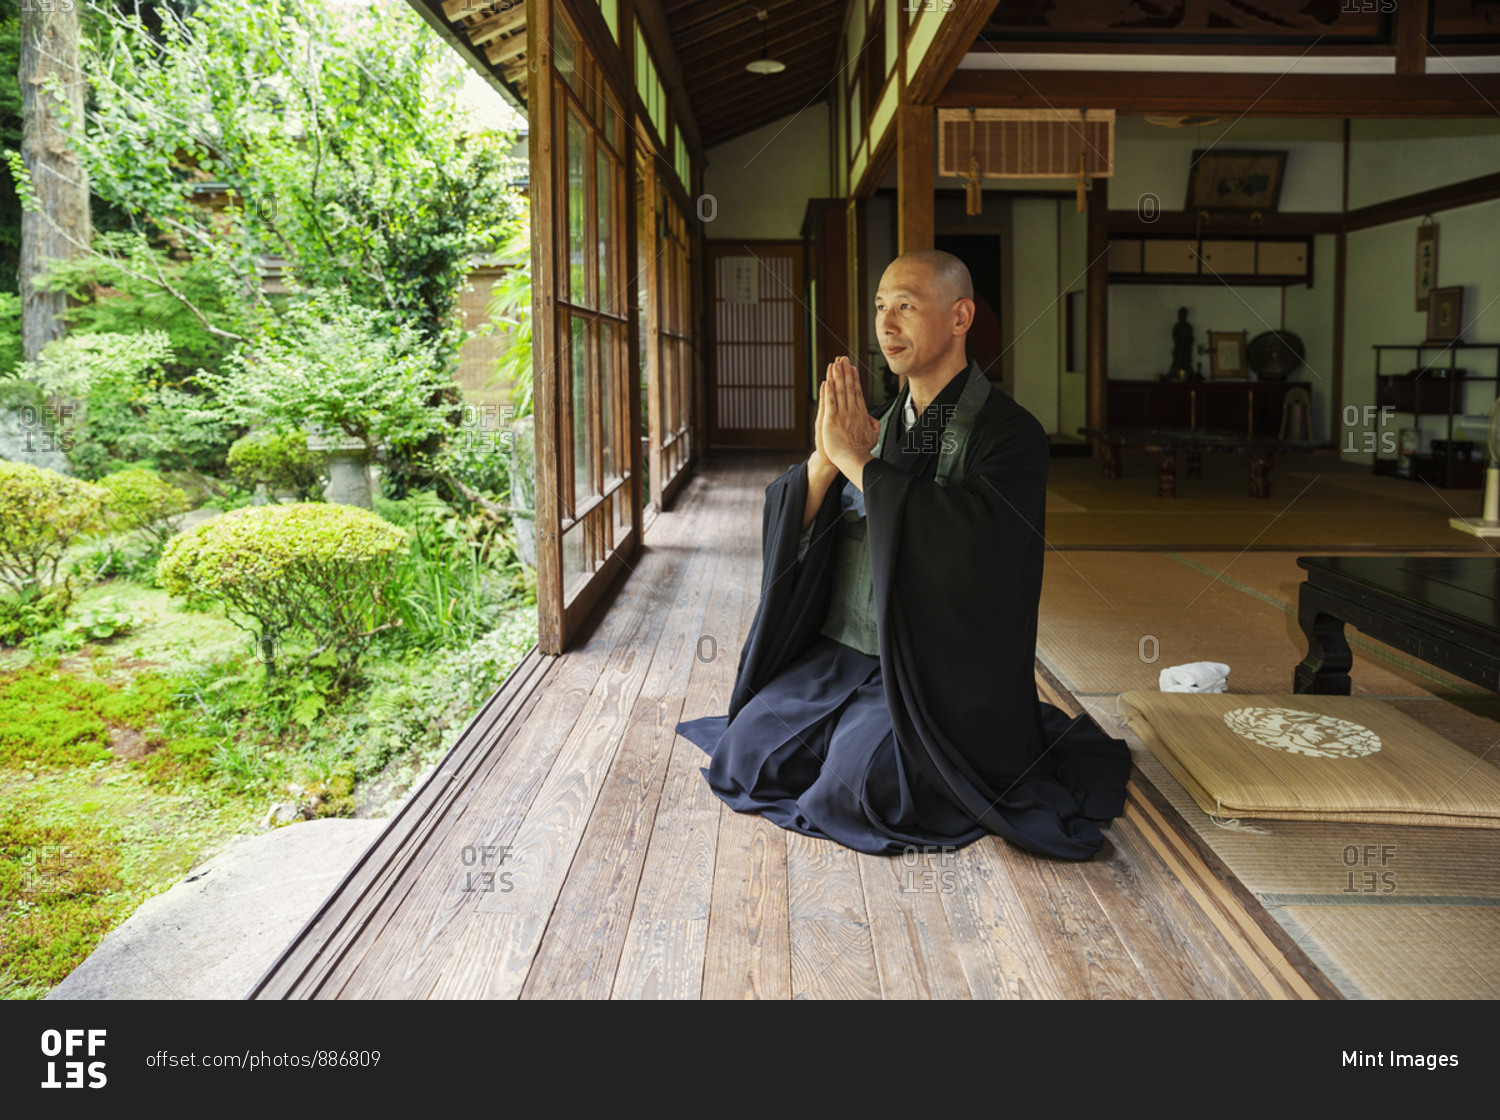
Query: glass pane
x=668, y=361
x=575, y=566
x=609, y=332
x=611, y=123
x=577, y=238
x=584, y=486
x=622, y=512
x=604, y=194
x=565, y=53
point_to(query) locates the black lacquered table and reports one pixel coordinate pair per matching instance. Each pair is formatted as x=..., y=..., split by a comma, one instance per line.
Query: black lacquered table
x=1444, y=610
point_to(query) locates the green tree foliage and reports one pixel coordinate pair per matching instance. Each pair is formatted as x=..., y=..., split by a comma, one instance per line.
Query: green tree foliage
x=128, y=407
x=510, y=306
x=126, y=285
x=10, y=334
x=326, y=135
x=341, y=369
x=10, y=140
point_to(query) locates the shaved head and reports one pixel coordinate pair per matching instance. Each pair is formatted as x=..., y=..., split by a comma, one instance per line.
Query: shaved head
x=923, y=308
x=949, y=274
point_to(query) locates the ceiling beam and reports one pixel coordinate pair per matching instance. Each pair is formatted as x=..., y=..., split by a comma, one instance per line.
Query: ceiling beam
x=1259, y=95
x=820, y=30
x=959, y=30
x=482, y=32
x=1451, y=195
x=432, y=13
x=687, y=33
x=730, y=127
x=805, y=88
x=798, y=69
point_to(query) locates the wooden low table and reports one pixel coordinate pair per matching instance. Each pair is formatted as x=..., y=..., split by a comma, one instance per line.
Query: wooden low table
x=1193, y=443
x=1442, y=610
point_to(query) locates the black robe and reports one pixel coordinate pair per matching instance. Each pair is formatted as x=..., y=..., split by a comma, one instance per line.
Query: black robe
x=958, y=573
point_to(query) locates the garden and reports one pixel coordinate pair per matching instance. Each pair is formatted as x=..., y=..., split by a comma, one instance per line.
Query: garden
x=260, y=559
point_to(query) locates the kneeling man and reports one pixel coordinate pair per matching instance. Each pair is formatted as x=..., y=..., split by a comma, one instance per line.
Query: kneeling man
x=886, y=696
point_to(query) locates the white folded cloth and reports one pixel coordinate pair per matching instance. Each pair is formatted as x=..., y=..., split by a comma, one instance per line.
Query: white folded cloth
x=1197, y=676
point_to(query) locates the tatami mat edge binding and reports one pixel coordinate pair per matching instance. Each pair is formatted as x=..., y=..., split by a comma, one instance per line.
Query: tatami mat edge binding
x=1262, y=945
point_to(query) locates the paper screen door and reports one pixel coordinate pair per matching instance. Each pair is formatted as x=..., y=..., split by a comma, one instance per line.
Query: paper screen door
x=758, y=394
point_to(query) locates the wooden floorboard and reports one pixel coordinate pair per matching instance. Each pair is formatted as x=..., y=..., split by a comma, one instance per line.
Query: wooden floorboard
x=580, y=951
x=616, y=873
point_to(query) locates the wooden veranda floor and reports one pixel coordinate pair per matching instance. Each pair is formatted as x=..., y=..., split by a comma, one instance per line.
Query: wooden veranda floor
x=569, y=847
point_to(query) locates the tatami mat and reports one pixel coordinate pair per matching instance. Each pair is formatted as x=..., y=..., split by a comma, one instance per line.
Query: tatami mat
x=1316, y=501
x=1420, y=916
x=1403, y=952
x=1110, y=621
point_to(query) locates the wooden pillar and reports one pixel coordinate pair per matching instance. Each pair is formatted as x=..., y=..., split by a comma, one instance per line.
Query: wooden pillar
x=1097, y=301
x=914, y=176
x=544, y=340
x=1411, y=18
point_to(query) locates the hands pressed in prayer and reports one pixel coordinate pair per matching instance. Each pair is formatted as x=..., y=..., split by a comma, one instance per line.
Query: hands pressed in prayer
x=846, y=430
x=838, y=446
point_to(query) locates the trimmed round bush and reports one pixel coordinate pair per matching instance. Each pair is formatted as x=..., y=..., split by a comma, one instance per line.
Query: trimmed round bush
x=41, y=513
x=141, y=499
x=280, y=460
x=312, y=568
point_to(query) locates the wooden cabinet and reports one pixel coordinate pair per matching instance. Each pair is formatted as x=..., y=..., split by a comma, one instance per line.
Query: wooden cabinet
x=1160, y=255
x=1229, y=258
x=1254, y=407
x=1185, y=260
x=1282, y=258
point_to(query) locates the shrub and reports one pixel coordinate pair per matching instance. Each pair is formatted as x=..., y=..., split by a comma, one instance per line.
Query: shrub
x=278, y=460
x=41, y=513
x=311, y=568
x=141, y=500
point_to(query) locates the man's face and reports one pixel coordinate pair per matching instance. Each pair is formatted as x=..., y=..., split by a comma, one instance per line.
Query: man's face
x=914, y=318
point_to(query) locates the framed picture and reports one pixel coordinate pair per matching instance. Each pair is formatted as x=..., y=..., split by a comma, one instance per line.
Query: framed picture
x=1445, y=314
x=1235, y=180
x=1226, y=349
x=1427, y=247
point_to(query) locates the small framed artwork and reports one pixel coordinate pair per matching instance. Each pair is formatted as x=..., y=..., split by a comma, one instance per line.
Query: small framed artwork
x=1235, y=180
x=1445, y=312
x=1226, y=350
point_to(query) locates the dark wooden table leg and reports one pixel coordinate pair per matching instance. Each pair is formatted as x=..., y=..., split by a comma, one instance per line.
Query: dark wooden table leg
x=1325, y=669
x=1111, y=460
x=1168, y=485
x=1260, y=473
x=1195, y=464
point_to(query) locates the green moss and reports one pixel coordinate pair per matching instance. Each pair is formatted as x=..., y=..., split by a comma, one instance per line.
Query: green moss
x=50, y=716
x=64, y=894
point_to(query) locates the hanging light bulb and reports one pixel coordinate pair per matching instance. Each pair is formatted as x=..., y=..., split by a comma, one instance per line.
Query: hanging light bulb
x=764, y=64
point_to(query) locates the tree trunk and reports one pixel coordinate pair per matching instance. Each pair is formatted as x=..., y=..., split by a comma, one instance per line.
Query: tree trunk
x=60, y=227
